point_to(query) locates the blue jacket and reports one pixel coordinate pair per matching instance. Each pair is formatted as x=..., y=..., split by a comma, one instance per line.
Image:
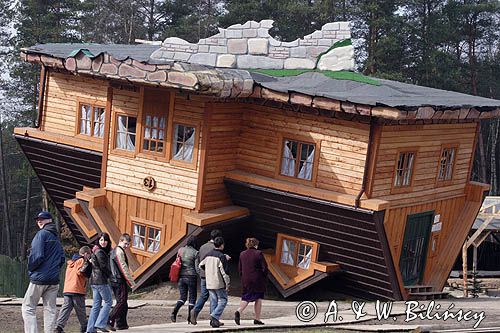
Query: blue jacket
x=46, y=257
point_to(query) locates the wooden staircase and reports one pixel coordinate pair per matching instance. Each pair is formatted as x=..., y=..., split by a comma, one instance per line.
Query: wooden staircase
x=423, y=292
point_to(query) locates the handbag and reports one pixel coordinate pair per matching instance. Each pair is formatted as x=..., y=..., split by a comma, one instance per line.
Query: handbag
x=175, y=269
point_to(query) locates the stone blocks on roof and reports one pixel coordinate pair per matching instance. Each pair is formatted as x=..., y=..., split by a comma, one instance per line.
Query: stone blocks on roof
x=252, y=39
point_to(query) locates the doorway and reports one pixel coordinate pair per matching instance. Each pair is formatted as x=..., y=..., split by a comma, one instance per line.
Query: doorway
x=414, y=250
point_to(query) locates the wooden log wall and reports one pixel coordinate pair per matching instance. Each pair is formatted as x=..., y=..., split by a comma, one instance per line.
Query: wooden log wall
x=124, y=206
x=61, y=100
x=427, y=140
x=175, y=185
x=342, y=152
x=224, y=125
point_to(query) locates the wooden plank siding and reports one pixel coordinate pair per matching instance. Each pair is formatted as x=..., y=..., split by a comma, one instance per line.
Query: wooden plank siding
x=224, y=126
x=122, y=207
x=427, y=140
x=61, y=100
x=176, y=185
x=343, y=145
x=246, y=137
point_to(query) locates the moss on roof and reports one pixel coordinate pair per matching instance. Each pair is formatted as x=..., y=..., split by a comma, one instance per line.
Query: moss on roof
x=337, y=75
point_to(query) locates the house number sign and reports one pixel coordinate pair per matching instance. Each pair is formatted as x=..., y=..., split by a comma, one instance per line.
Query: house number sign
x=149, y=183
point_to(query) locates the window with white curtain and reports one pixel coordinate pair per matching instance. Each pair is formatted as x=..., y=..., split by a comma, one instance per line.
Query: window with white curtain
x=146, y=237
x=404, y=169
x=296, y=252
x=297, y=159
x=139, y=236
x=304, y=256
x=125, y=132
x=154, y=133
x=183, y=143
x=288, y=252
x=446, y=163
x=91, y=118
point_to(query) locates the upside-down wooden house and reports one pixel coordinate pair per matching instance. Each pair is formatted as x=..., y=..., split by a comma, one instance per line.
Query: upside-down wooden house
x=362, y=181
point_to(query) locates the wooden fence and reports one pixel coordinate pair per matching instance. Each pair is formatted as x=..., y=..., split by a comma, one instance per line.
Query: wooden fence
x=14, y=277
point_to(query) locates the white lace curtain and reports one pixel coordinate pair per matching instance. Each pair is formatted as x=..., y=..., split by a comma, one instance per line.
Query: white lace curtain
x=154, y=244
x=288, y=164
x=306, y=260
x=123, y=139
x=185, y=152
x=306, y=170
x=99, y=122
x=138, y=240
x=287, y=252
x=85, y=119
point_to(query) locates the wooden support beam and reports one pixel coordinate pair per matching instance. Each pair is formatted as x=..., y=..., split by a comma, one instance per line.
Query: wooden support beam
x=479, y=231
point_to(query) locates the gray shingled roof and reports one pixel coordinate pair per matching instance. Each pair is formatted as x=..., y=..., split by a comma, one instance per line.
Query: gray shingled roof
x=140, y=52
x=389, y=93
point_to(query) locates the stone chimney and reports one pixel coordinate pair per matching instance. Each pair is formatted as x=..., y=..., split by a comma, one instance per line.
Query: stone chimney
x=249, y=46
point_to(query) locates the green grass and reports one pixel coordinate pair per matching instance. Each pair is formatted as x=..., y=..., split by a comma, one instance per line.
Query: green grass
x=337, y=75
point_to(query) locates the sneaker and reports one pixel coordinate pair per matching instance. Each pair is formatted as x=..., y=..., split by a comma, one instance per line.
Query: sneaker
x=101, y=329
x=121, y=328
x=110, y=328
x=194, y=316
x=257, y=322
x=237, y=317
x=214, y=322
x=58, y=330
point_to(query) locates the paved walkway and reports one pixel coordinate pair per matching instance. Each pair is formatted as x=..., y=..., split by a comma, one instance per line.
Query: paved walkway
x=345, y=317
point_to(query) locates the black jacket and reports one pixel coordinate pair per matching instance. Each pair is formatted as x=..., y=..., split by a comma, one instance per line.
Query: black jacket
x=100, y=267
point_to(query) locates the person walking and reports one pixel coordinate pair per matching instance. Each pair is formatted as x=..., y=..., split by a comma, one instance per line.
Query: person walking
x=253, y=271
x=120, y=278
x=187, y=278
x=44, y=266
x=99, y=314
x=75, y=284
x=217, y=280
x=204, y=250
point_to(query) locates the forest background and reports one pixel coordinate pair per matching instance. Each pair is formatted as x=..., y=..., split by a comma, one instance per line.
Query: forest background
x=451, y=45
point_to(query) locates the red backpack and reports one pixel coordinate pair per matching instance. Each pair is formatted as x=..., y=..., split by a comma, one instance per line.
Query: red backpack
x=175, y=268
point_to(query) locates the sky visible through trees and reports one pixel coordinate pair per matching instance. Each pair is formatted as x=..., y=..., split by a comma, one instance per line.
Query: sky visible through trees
x=452, y=45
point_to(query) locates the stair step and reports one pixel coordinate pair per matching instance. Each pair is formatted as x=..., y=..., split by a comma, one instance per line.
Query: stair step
x=430, y=295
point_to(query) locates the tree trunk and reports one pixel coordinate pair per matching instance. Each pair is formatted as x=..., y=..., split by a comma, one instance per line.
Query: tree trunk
x=493, y=162
x=482, y=156
x=5, y=200
x=45, y=200
x=24, y=242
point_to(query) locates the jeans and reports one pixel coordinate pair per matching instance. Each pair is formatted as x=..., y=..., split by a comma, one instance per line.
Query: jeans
x=48, y=293
x=203, y=297
x=218, y=301
x=187, y=285
x=73, y=301
x=119, y=313
x=99, y=314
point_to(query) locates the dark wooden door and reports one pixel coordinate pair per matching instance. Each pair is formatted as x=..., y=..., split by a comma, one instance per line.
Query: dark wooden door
x=414, y=250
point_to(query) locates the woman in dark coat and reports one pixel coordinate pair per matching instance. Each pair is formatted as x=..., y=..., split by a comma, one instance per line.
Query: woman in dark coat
x=253, y=271
x=101, y=291
x=188, y=278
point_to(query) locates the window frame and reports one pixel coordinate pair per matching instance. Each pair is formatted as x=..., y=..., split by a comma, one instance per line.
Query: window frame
x=301, y=140
x=279, y=247
x=445, y=182
x=93, y=104
x=114, y=149
x=405, y=188
x=140, y=151
x=194, y=163
x=148, y=225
